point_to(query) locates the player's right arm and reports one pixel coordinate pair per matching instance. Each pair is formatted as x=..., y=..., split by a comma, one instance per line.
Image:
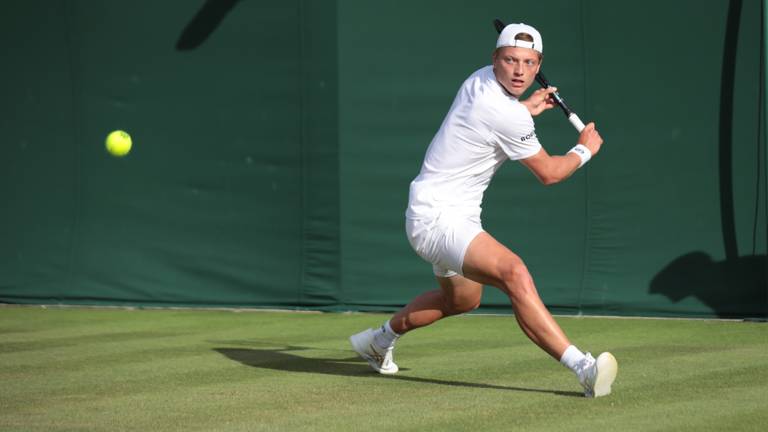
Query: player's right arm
x=554, y=169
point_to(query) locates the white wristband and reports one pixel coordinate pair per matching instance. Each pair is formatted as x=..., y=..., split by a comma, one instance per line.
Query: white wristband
x=582, y=152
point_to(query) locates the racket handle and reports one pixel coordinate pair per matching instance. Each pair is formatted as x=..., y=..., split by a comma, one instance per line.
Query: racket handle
x=576, y=122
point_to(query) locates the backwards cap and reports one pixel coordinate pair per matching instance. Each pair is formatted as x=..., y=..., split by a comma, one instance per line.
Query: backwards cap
x=507, y=37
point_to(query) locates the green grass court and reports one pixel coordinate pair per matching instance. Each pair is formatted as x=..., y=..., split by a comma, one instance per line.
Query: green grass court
x=160, y=370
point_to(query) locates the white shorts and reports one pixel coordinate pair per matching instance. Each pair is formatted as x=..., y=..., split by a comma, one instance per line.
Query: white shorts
x=443, y=241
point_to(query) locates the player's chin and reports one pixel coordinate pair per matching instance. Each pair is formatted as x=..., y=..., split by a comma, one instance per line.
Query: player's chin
x=517, y=88
x=517, y=91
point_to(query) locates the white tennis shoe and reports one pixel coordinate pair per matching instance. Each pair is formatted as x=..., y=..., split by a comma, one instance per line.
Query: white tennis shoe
x=597, y=376
x=379, y=358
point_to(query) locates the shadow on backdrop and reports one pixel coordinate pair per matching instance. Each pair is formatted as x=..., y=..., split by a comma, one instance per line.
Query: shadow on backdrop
x=736, y=287
x=282, y=359
x=731, y=288
x=204, y=23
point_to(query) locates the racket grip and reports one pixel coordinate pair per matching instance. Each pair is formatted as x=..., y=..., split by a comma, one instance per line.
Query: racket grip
x=576, y=122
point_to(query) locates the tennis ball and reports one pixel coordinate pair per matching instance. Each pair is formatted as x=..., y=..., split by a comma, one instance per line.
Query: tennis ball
x=118, y=143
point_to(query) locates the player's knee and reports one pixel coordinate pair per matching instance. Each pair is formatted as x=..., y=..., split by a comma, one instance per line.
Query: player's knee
x=517, y=281
x=455, y=305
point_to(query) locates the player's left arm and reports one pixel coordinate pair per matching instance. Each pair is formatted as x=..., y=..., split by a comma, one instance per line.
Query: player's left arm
x=554, y=169
x=551, y=169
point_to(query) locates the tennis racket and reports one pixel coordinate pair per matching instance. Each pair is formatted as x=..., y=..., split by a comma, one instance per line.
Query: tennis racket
x=572, y=117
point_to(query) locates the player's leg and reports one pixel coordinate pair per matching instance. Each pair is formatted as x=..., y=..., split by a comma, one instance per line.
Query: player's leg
x=456, y=295
x=489, y=262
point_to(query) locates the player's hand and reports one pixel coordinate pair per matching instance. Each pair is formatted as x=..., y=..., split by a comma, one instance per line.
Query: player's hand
x=591, y=138
x=540, y=101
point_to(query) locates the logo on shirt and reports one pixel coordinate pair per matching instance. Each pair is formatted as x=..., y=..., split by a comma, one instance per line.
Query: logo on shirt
x=529, y=136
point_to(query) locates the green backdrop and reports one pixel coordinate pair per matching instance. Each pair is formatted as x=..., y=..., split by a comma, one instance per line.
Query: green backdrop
x=274, y=143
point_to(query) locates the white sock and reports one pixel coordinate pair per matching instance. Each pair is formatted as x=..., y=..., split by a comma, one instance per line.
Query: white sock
x=573, y=359
x=385, y=337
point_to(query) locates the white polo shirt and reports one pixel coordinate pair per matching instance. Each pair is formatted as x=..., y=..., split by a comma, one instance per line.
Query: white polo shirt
x=484, y=127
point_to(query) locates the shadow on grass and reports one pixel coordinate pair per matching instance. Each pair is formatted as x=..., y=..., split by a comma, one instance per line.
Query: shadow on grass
x=283, y=360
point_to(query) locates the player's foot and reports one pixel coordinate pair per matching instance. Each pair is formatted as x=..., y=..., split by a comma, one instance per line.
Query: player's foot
x=598, y=375
x=379, y=358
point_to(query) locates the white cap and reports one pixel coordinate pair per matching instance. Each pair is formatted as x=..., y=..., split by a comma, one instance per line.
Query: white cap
x=507, y=37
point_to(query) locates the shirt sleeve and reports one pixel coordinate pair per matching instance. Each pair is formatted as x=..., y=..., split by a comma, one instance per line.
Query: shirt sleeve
x=515, y=133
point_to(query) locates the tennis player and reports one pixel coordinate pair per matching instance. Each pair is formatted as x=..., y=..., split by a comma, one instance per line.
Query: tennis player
x=486, y=125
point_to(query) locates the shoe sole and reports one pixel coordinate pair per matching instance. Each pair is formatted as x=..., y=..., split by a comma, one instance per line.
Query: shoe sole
x=607, y=368
x=359, y=347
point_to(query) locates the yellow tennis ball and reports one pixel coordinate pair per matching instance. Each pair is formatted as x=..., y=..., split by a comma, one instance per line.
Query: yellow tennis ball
x=118, y=143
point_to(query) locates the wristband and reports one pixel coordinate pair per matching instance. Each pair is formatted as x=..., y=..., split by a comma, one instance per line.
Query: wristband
x=582, y=152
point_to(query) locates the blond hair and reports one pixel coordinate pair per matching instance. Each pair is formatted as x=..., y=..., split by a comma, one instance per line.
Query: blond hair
x=528, y=38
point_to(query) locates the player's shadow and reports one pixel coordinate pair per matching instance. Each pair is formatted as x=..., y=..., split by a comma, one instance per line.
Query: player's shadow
x=732, y=288
x=736, y=287
x=283, y=359
x=204, y=23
